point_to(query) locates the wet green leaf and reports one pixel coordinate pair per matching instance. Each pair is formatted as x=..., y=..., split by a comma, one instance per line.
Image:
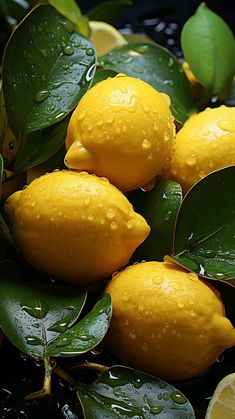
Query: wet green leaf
x=156, y=66
x=3, y=117
x=159, y=207
x=33, y=314
x=108, y=10
x=102, y=74
x=209, y=47
x=54, y=69
x=123, y=392
x=204, y=239
x=71, y=10
x=86, y=334
x=38, y=146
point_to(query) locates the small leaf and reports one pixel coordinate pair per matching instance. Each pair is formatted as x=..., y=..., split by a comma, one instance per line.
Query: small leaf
x=204, y=239
x=123, y=392
x=38, y=146
x=156, y=66
x=108, y=10
x=72, y=12
x=102, y=74
x=209, y=48
x=33, y=314
x=159, y=207
x=53, y=71
x=86, y=334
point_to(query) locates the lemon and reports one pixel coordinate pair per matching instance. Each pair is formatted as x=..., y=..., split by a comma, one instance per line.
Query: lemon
x=75, y=226
x=222, y=403
x=204, y=144
x=105, y=37
x=166, y=321
x=121, y=129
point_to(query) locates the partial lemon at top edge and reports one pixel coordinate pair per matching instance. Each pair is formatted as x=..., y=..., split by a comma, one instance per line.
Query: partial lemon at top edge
x=105, y=37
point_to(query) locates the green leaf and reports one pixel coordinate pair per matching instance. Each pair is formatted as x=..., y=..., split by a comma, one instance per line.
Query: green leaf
x=204, y=241
x=33, y=314
x=109, y=10
x=86, y=334
x=53, y=71
x=156, y=66
x=102, y=74
x=209, y=48
x=38, y=146
x=123, y=392
x=3, y=117
x=159, y=207
x=72, y=12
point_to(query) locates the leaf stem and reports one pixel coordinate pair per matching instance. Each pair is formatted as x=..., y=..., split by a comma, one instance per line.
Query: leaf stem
x=92, y=366
x=46, y=390
x=65, y=376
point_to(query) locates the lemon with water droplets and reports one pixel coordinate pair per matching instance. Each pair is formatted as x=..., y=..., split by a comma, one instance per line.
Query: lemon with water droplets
x=105, y=37
x=122, y=129
x=75, y=226
x=204, y=144
x=167, y=321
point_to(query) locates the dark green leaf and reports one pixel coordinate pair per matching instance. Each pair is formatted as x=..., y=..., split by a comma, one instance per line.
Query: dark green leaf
x=209, y=48
x=53, y=71
x=3, y=117
x=72, y=12
x=159, y=207
x=122, y=392
x=107, y=11
x=39, y=146
x=86, y=334
x=102, y=74
x=12, y=11
x=158, y=67
x=204, y=239
x=33, y=314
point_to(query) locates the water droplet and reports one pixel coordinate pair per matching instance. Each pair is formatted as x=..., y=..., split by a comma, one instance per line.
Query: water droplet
x=59, y=327
x=155, y=410
x=157, y=280
x=70, y=308
x=63, y=342
x=113, y=225
x=169, y=82
x=68, y=50
x=33, y=340
x=90, y=217
x=137, y=383
x=227, y=126
x=192, y=276
x=133, y=334
x=41, y=95
x=191, y=160
x=85, y=337
x=166, y=396
x=68, y=26
x=130, y=224
x=145, y=346
x=90, y=52
x=146, y=144
x=125, y=296
x=38, y=312
x=192, y=313
x=170, y=62
x=90, y=73
x=110, y=213
x=180, y=304
x=141, y=307
x=178, y=397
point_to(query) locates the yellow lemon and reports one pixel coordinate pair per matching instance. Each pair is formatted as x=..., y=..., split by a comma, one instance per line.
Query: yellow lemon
x=222, y=403
x=166, y=321
x=204, y=144
x=122, y=129
x=105, y=37
x=75, y=226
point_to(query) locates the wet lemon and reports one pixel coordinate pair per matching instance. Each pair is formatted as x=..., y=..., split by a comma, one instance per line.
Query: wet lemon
x=204, y=144
x=122, y=129
x=75, y=226
x=167, y=321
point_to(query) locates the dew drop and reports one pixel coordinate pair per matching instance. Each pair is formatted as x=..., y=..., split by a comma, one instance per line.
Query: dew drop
x=113, y=225
x=178, y=398
x=90, y=52
x=133, y=334
x=41, y=95
x=157, y=280
x=146, y=144
x=110, y=213
x=33, y=340
x=137, y=383
x=63, y=342
x=130, y=224
x=192, y=276
x=191, y=160
x=180, y=304
x=68, y=50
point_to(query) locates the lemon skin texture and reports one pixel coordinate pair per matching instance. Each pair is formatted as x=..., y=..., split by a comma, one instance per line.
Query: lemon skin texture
x=121, y=129
x=166, y=321
x=204, y=144
x=75, y=226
